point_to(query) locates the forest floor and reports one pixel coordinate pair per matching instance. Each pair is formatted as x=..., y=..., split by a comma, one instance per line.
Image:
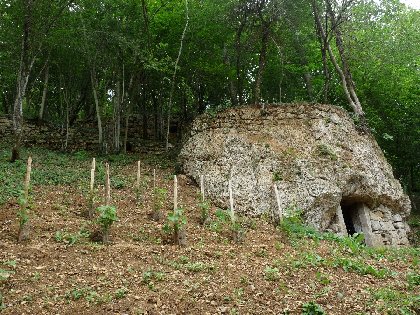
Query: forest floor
x=289, y=269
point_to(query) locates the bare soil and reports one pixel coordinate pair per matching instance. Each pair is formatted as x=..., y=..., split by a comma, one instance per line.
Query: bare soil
x=140, y=273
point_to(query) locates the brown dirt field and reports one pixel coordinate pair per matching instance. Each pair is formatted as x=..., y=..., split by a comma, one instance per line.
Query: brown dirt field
x=138, y=273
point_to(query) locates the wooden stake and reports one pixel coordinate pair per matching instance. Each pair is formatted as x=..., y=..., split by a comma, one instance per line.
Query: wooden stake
x=107, y=187
x=280, y=214
x=93, y=163
x=24, y=229
x=202, y=187
x=92, y=180
x=175, y=193
x=28, y=179
x=138, y=175
x=232, y=210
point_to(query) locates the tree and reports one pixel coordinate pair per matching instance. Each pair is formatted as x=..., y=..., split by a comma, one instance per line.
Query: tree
x=33, y=33
x=342, y=70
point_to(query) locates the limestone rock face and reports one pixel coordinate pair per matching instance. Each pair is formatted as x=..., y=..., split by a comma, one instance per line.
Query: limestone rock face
x=315, y=155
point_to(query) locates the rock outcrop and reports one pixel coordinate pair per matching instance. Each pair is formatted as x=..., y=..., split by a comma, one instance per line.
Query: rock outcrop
x=315, y=156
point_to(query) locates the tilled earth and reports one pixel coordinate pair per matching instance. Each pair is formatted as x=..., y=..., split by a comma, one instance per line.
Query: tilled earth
x=60, y=271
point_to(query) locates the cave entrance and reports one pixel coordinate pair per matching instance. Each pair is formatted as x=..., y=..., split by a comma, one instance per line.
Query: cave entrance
x=350, y=210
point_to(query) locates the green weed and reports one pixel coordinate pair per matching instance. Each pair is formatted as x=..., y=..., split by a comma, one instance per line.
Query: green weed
x=312, y=308
x=395, y=302
x=121, y=293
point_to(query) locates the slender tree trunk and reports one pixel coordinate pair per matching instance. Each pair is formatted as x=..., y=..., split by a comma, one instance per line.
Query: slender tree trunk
x=117, y=117
x=261, y=63
x=127, y=109
x=326, y=70
x=238, y=48
x=332, y=57
x=145, y=124
x=155, y=116
x=44, y=92
x=98, y=112
x=232, y=84
x=187, y=19
x=346, y=68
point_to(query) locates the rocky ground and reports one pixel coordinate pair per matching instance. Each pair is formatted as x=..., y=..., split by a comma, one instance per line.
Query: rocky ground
x=274, y=270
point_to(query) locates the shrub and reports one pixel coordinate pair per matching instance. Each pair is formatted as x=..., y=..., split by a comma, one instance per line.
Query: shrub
x=107, y=216
x=175, y=226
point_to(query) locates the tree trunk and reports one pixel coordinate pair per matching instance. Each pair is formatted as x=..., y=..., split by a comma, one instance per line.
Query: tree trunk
x=346, y=68
x=22, y=81
x=333, y=59
x=44, y=93
x=98, y=112
x=261, y=63
x=117, y=117
x=187, y=19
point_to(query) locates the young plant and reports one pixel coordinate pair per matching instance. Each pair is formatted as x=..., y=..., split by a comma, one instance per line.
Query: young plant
x=175, y=226
x=237, y=231
x=107, y=216
x=312, y=308
x=159, y=201
x=204, y=212
x=224, y=223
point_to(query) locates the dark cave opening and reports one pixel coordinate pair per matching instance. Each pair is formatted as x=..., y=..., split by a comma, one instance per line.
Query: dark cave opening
x=350, y=215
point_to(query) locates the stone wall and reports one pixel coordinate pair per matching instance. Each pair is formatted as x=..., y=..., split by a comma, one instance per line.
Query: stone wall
x=81, y=136
x=315, y=156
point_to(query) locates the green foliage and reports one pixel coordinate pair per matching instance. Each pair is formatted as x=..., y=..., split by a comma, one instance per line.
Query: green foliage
x=118, y=182
x=312, y=308
x=175, y=226
x=70, y=238
x=5, y=274
x=322, y=278
x=89, y=294
x=81, y=155
x=195, y=266
x=361, y=267
x=150, y=277
x=107, y=216
x=121, y=293
x=413, y=279
x=396, y=302
x=23, y=212
x=225, y=223
x=176, y=221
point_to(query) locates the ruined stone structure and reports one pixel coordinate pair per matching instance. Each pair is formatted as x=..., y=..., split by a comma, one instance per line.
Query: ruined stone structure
x=81, y=136
x=315, y=156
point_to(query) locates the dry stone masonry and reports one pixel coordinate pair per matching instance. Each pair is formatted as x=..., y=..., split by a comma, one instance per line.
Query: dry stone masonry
x=315, y=156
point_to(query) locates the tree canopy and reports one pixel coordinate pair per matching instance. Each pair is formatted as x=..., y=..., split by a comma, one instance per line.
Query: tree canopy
x=112, y=61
